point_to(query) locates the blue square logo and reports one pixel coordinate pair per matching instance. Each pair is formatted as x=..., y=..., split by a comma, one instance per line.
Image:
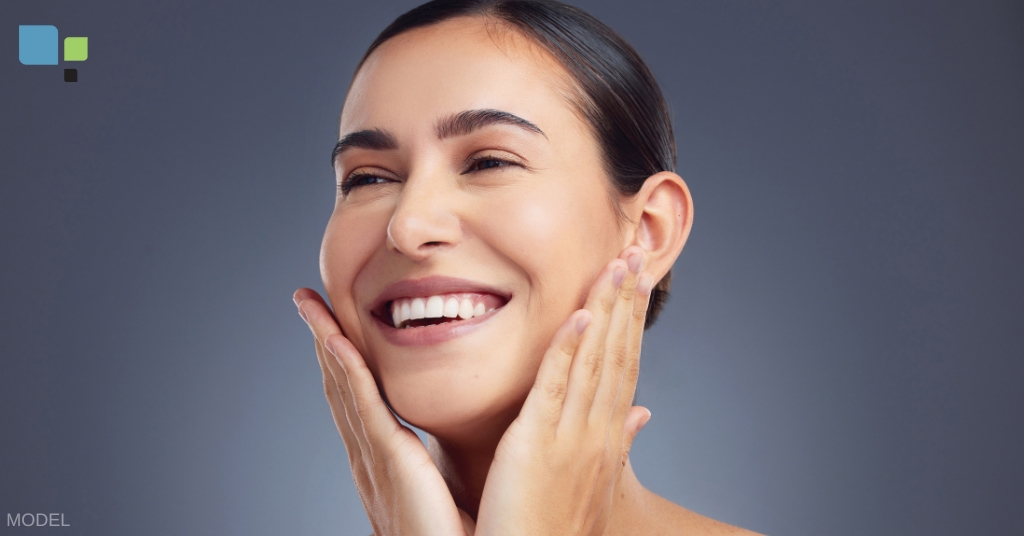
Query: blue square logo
x=37, y=45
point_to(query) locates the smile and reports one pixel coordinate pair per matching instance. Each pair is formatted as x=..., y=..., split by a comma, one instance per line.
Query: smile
x=434, y=309
x=408, y=313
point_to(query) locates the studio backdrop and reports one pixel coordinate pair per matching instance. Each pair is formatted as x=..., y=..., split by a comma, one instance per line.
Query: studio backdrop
x=841, y=353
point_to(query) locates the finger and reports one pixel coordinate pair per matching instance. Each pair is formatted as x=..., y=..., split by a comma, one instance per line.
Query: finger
x=634, y=339
x=335, y=400
x=318, y=316
x=373, y=414
x=335, y=381
x=368, y=416
x=548, y=393
x=635, y=421
x=619, y=355
x=587, y=363
x=637, y=418
x=304, y=294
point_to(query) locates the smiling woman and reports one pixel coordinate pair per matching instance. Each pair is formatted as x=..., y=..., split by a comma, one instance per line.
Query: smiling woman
x=505, y=224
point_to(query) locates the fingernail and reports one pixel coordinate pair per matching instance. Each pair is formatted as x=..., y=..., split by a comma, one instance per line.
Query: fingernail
x=582, y=323
x=634, y=262
x=301, y=312
x=645, y=283
x=330, y=347
x=618, y=276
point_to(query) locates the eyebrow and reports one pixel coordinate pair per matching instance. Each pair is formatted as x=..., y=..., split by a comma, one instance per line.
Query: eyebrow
x=460, y=124
x=467, y=121
x=375, y=140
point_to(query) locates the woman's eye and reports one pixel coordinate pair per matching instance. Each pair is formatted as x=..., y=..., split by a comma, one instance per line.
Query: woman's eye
x=366, y=179
x=360, y=179
x=363, y=180
x=480, y=164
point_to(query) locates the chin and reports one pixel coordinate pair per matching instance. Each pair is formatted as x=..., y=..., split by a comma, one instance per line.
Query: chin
x=456, y=405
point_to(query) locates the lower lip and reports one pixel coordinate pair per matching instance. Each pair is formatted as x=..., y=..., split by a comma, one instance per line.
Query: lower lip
x=435, y=334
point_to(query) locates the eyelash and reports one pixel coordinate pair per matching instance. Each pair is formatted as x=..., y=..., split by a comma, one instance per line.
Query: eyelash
x=352, y=181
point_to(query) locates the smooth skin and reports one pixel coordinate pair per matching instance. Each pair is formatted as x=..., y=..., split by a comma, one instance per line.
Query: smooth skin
x=529, y=417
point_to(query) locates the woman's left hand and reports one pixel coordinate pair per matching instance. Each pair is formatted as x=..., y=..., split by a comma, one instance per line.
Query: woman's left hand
x=555, y=468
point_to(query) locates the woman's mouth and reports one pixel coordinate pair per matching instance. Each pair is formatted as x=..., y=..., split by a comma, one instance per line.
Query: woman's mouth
x=435, y=319
x=411, y=313
x=435, y=309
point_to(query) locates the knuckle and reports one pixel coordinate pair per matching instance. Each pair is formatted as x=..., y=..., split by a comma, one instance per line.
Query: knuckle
x=620, y=357
x=362, y=409
x=607, y=305
x=632, y=373
x=592, y=362
x=567, y=348
x=555, y=390
x=640, y=313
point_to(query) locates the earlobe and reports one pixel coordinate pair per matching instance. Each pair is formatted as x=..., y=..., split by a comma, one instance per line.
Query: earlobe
x=665, y=217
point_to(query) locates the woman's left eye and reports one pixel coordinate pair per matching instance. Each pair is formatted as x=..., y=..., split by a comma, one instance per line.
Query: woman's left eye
x=488, y=162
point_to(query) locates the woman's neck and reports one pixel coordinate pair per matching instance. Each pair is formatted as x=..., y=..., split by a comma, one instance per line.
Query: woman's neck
x=465, y=462
x=464, y=466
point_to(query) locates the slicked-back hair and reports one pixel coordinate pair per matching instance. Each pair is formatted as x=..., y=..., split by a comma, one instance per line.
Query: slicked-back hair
x=616, y=91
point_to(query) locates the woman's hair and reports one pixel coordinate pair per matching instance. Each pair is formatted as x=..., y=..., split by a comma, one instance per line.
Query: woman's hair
x=615, y=91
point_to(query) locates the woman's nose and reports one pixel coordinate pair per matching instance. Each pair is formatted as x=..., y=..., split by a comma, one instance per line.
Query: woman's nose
x=423, y=222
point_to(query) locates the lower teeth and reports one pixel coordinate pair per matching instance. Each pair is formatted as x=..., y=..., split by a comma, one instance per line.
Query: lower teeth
x=423, y=322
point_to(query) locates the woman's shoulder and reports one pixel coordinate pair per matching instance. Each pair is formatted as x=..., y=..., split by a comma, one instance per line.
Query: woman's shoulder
x=667, y=518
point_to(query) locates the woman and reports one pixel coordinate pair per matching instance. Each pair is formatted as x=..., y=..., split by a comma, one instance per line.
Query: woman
x=505, y=224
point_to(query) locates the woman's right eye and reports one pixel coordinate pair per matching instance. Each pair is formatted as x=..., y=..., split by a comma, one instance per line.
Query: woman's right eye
x=360, y=179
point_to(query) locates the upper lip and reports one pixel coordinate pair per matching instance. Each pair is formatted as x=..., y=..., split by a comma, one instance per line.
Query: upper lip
x=432, y=286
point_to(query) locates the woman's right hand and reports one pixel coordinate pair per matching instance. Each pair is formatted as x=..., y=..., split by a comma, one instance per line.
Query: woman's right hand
x=401, y=488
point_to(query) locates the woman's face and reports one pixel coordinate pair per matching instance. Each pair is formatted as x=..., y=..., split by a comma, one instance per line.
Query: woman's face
x=474, y=182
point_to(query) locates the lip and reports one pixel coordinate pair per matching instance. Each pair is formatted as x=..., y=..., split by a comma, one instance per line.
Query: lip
x=435, y=334
x=432, y=286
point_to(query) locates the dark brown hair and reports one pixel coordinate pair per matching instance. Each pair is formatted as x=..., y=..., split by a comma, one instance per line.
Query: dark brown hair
x=617, y=94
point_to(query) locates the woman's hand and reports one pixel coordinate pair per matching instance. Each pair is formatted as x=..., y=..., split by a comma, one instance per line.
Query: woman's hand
x=555, y=469
x=401, y=488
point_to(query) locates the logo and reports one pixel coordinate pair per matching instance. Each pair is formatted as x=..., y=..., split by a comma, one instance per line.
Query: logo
x=38, y=45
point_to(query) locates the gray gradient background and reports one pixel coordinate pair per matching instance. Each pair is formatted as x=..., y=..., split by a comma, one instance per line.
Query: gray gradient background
x=841, y=353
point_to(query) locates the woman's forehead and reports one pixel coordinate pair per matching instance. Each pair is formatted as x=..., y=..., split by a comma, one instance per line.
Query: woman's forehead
x=460, y=64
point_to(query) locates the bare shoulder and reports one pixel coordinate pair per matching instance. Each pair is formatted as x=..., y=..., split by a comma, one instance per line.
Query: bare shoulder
x=667, y=518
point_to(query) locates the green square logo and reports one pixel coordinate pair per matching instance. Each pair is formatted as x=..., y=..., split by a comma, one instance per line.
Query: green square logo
x=76, y=48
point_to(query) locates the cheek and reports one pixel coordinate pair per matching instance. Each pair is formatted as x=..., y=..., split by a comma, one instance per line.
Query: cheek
x=560, y=239
x=349, y=241
x=538, y=228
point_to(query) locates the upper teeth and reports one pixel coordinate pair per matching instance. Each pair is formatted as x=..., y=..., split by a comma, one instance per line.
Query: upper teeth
x=436, y=307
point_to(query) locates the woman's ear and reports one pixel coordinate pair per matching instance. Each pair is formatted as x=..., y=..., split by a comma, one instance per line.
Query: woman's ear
x=663, y=214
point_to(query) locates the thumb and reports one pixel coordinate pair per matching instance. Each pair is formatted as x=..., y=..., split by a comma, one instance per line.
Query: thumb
x=635, y=421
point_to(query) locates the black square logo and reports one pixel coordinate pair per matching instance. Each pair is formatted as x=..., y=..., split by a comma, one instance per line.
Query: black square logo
x=70, y=75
